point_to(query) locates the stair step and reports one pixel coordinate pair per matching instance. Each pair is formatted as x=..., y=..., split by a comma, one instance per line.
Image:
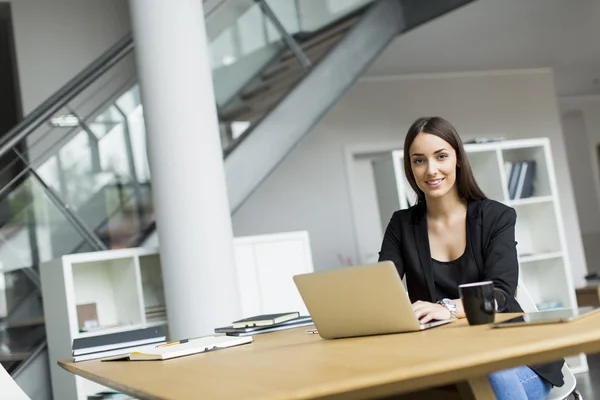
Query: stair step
x=278, y=83
x=257, y=109
x=271, y=87
x=310, y=43
x=26, y=322
x=19, y=356
x=259, y=88
x=314, y=54
x=292, y=74
x=250, y=109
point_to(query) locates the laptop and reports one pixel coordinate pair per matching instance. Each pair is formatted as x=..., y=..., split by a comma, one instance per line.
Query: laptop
x=359, y=301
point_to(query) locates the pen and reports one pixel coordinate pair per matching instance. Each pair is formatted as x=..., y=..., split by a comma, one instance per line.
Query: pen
x=174, y=343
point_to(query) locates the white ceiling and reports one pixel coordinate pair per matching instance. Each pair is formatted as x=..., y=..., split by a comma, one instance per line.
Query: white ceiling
x=506, y=34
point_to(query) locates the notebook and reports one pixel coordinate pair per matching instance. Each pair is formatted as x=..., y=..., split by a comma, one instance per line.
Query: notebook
x=292, y=323
x=193, y=346
x=265, y=320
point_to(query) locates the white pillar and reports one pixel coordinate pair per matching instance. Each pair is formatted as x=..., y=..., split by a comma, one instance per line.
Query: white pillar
x=186, y=162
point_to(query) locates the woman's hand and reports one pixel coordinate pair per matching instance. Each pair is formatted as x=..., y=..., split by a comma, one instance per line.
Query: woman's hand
x=427, y=312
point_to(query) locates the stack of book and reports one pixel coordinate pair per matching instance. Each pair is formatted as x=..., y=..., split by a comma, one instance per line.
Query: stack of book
x=520, y=176
x=113, y=344
x=156, y=313
x=265, y=323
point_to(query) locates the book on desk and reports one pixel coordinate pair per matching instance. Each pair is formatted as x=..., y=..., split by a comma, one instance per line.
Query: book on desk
x=265, y=320
x=112, y=344
x=265, y=323
x=182, y=348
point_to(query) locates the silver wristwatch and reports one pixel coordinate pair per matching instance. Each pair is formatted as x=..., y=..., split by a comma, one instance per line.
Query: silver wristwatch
x=450, y=306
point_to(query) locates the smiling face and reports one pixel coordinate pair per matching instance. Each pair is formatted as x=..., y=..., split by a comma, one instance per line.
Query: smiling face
x=433, y=163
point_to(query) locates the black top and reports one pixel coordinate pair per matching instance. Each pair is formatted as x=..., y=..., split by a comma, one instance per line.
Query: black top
x=446, y=275
x=491, y=254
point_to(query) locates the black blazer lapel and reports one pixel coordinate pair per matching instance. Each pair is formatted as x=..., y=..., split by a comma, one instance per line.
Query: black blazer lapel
x=474, y=229
x=422, y=242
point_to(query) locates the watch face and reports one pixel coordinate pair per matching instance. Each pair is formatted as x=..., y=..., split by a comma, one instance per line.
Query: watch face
x=449, y=303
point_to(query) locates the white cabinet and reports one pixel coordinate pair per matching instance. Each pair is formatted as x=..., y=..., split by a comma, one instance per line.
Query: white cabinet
x=123, y=290
x=543, y=260
x=113, y=284
x=265, y=267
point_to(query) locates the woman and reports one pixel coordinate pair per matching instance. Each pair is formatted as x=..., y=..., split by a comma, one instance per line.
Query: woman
x=455, y=235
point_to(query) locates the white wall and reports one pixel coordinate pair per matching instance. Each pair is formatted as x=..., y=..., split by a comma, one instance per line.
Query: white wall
x=56, y=39
x=581, y=124
x=309, y=190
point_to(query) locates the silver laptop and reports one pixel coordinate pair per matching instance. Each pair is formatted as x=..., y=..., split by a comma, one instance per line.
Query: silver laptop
x=359, y=301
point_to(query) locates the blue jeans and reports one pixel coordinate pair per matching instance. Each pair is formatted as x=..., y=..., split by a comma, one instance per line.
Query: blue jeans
x=519, y=383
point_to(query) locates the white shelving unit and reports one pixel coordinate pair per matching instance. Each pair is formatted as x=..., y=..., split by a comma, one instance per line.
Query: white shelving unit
x=123, y=283
x=543, y=260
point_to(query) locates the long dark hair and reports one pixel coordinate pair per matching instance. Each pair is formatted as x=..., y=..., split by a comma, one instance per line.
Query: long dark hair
x=468, y=189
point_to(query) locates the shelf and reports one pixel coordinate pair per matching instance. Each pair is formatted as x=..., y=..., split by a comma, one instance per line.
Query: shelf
x=531, y=200
x=122, y=328
x=537, y=229
x=537, y=154
x=540, y=257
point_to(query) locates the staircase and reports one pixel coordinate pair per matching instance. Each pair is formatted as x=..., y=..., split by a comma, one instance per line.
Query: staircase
x=75, y=173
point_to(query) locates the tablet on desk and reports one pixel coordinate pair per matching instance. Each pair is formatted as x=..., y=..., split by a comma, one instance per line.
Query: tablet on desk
x=547, y=317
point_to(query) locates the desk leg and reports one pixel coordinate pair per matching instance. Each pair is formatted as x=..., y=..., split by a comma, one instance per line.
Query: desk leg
x=476, y=389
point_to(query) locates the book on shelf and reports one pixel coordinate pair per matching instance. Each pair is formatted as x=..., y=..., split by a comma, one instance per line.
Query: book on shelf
x=265, y=320
x=520, y=176
x=100, y=346
x=256, y=330
x=182, y=348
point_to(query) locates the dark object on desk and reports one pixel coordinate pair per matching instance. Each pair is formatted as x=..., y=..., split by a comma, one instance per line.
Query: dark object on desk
x=479, y=302
x=548, y=317
x=89, y=348
x=291, y=324
x=265, y=320
x=588, y=295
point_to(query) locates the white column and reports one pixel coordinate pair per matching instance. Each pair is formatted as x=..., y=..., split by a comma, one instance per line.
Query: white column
x=186, y=163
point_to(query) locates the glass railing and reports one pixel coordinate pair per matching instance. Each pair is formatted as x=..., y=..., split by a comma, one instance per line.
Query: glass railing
x=253, y=69
x=312, y=16
x=89, y=157
x=83, y=182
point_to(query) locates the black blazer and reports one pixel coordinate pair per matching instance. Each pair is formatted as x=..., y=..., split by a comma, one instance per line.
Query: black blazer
x=491, y=229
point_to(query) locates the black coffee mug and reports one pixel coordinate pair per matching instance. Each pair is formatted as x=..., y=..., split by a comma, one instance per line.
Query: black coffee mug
x=478, y=302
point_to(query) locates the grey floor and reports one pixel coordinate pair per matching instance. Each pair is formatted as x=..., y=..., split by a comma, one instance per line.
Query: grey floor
x=588, y=384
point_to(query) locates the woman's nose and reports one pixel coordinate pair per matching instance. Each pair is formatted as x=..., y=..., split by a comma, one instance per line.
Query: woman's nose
x=432, y=168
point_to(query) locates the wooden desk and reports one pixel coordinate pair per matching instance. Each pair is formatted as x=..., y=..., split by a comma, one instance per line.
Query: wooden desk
x=296, y=365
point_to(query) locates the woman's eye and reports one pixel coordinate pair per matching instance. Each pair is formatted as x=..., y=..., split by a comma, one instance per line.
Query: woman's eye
x=442, y=156
x=418, y=161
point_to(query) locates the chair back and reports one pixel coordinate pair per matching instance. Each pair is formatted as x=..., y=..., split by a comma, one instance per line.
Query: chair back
x=557, y=393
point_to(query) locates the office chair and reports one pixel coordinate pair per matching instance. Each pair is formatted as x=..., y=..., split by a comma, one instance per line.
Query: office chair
x=10, y=389
x=566, y=391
